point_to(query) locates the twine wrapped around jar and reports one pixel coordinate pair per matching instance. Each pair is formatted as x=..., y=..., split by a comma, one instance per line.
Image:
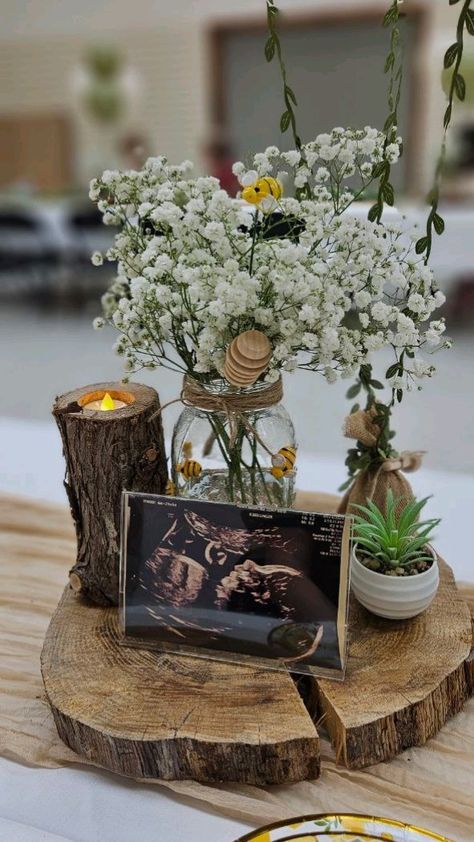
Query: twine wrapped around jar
x=233, y=404
x=373, y=482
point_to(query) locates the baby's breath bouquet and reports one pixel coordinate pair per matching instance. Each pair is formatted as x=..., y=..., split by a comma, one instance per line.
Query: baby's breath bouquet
x=197, y=267
x=285, y=259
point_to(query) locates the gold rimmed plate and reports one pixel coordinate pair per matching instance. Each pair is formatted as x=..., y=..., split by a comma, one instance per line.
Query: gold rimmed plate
x=341, y=827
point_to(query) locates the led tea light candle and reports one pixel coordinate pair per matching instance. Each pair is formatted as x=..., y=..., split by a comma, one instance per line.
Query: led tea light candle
x=107, y=402
x=112, y=441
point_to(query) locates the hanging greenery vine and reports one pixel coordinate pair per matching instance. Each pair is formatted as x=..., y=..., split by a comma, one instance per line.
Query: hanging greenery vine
x=360, y=457
x=457, y=90
x=272, y=48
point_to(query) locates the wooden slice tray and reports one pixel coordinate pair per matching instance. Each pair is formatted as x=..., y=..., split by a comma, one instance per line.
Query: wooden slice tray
x=151, y=715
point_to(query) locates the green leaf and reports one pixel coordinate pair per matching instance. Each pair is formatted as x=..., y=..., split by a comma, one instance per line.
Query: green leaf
x=390, y=510
x=389, y=62
x=290, y=94
x=270, y=49
x=355, y=408
x=373, y=212
x=438, y=223
x=453, y=2
x=285, y=121
x=421, y=245
x=392, y=370
x=365, y=373
x=372, y=546
x=460, y=87
x=451, y=55
x=470, y=21
x=372, y=513
x=353, y=391
x=387, y=193
x=392, y=15
x=379, y=168
x=399, y=395
x=409, y=514
x=376, y=384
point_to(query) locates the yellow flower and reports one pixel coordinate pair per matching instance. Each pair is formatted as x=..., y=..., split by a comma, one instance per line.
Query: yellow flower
x=260, y=189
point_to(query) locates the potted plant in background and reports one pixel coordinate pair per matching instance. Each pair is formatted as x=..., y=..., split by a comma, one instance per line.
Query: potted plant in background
x=394, y=569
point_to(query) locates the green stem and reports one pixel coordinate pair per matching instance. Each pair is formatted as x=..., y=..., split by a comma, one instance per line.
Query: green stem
x=254, y=240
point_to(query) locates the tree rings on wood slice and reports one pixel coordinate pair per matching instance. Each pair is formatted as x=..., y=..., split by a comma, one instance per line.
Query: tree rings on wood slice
x=147, y=714
x=247, y=357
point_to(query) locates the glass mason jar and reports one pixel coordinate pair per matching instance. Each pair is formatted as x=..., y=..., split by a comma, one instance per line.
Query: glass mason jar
x=240, y=457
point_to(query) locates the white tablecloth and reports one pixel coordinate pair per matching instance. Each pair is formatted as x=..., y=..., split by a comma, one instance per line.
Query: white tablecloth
x=88, y=806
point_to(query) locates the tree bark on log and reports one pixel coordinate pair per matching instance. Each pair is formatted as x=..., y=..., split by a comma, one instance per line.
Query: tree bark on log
x=107, y=452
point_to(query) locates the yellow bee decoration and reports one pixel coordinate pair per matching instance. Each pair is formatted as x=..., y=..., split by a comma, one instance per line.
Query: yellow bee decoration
x=261, y=188
x=284, y=461
x=170, y=489
x=189, y=468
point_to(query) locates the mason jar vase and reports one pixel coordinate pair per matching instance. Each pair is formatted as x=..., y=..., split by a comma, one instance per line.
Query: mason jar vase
x=238, y=457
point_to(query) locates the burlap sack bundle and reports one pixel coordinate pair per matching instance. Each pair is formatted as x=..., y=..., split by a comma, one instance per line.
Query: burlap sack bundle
x=373, y=482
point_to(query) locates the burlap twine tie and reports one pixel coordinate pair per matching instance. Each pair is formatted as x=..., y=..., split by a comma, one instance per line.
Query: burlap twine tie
x=373, y=482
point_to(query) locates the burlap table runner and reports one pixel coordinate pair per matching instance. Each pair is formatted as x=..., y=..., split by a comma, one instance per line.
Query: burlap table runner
x=432, y=786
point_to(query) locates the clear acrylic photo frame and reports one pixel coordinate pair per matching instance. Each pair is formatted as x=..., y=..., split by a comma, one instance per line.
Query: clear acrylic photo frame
x=317, y=647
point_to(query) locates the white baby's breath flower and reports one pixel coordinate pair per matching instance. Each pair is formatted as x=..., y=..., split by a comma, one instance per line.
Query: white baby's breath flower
x=323, y=139
x=94, y=190
x=328, y=153
x=293, y=157
x=238, y=168
x=330, y=374
x=97, y=258
x=109, y=176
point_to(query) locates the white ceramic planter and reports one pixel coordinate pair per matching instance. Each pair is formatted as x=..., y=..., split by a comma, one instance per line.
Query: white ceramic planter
x=394, y=597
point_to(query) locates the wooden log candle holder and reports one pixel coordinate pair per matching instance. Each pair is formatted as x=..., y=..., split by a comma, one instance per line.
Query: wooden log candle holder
x=106, y=451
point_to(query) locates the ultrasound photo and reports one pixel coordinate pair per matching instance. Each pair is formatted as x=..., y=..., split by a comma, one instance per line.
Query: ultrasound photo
x=229, y=582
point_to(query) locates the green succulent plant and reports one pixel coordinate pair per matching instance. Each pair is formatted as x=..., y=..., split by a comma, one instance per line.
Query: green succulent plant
x=395, y=540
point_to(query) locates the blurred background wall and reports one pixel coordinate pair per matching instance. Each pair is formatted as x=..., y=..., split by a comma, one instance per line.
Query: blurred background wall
x=169, y=70
x=85, y=86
